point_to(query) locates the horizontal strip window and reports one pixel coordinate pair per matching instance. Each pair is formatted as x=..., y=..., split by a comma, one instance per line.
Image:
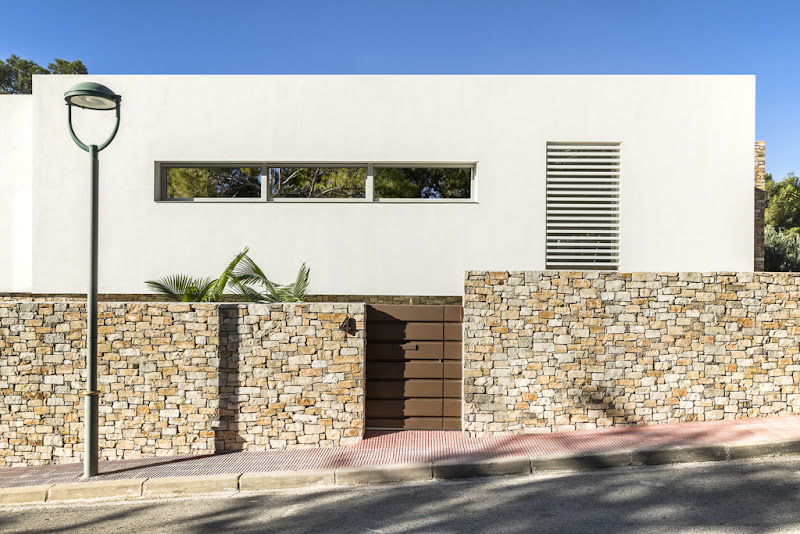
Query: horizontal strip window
x=266, y=182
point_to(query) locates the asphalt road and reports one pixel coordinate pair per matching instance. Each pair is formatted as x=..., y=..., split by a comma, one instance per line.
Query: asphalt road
x=749, y=496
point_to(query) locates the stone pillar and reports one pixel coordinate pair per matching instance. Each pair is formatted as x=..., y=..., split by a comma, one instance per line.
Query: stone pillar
x=758, y=219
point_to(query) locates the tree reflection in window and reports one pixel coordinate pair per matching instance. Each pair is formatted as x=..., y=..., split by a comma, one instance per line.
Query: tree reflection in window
x=318, y=182
x=213, y=182
x=422, y=182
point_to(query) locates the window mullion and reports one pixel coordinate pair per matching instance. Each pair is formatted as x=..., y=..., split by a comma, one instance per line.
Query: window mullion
x=369, y=187
x=265, y=185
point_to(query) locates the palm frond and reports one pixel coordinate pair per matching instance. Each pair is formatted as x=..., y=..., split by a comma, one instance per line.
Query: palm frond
x=199, y=290
x=172, y=287
x=246, y=293
x=218, y=288
x=248, y=272
x=298, y=289
x=272, y=292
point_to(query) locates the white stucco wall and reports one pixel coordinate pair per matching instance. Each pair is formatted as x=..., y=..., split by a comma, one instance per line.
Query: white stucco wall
x=687, y=175
x=16, y=179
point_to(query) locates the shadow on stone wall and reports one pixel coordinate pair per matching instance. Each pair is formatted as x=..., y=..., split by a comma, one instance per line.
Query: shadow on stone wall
x=228, y=438
x=610, y=400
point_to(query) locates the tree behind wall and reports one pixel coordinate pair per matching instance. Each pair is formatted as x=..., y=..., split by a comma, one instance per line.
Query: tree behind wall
x=16, y=74
x=781, y=251
x=782, y=210
x=782, y=224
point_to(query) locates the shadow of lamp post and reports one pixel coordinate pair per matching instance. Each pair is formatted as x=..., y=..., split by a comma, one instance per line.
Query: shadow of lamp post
x=90, y=95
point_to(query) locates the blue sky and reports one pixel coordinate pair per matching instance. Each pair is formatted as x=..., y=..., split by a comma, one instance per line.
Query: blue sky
x=434, y=37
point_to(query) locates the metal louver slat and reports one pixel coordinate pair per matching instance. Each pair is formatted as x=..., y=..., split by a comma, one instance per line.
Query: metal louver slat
x=581, y=206
x=583, y=181
x=589, y=240
x=579, y=196
x=563, y=234
x=589, y=180
x=582, y=172
x=556, y=159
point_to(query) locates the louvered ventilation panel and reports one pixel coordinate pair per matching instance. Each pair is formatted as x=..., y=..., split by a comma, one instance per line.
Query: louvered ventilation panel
x=583, y=206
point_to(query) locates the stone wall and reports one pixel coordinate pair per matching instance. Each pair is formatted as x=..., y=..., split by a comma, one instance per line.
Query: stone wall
x=760, y=205
x=149, y=297
x=290, y=376
x=179, y=378
x=550, y=351
x=389, y=299
x=40, y=379
x=79, y=297
x=156, y=371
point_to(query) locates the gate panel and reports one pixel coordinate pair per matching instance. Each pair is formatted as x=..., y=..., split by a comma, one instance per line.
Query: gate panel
x=428, y=369
x=413, y=367
x=452, y=368
x=402, y=389
x=421, y=350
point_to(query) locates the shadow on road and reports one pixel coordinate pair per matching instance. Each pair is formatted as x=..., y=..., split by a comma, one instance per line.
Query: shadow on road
x=727, y=496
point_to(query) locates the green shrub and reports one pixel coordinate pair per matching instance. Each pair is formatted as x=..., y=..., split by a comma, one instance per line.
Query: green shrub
x=781, y=250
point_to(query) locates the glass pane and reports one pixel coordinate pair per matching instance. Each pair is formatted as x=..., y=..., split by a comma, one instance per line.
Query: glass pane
x=318, y=182
x=422, y=182
x=213, y=182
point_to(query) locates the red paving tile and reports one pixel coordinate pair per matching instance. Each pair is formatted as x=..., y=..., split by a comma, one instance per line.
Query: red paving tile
x=394, y=447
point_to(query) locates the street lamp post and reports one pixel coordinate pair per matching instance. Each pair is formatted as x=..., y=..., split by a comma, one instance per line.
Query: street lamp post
x=90, y=95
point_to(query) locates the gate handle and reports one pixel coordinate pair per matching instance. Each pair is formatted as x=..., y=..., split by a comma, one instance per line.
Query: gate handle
x=410, y=346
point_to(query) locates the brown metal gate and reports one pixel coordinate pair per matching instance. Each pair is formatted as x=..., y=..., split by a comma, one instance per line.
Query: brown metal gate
x=414, y=367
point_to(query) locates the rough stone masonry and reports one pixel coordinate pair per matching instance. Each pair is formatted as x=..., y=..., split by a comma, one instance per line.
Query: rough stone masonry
x=549, y=351
x=759, y=193
x=180, y=378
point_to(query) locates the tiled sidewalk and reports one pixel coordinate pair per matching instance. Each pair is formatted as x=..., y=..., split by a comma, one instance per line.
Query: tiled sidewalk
x=391, y=447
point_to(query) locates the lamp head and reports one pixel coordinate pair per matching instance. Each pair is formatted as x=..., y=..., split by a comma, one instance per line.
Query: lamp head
x=90, y=95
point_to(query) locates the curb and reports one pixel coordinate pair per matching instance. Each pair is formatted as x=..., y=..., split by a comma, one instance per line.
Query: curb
x=582, y=462
x=120, y=489
x=278, y=480
x=384, y=474
x=24, y=494
x=743, y=451
x=482, y=468
x=389, y=474
x=173, y=486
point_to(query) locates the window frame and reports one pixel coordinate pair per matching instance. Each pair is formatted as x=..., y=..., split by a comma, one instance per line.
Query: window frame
x=266, y=197
x=161, y=180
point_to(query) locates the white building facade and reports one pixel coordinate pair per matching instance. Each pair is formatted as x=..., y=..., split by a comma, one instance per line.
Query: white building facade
x=674, y=190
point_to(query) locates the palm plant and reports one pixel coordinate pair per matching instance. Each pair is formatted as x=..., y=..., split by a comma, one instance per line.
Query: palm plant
x=184, y=288
x=249, y=273
x=241, y=274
